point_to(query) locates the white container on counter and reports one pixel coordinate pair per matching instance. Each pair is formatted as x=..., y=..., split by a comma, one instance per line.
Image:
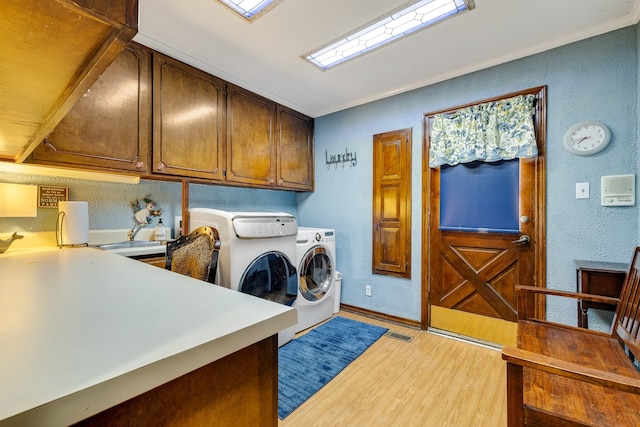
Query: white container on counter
x=72, y=227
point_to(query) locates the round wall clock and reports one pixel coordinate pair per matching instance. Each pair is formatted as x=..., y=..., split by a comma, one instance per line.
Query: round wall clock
x=587, y=138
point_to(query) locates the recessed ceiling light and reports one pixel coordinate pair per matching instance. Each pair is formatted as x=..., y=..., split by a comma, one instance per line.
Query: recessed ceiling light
x=399, y=23
x=250, y=9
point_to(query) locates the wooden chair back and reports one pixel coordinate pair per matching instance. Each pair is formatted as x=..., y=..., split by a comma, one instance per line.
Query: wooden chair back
x=195, y=255
x=626, y=323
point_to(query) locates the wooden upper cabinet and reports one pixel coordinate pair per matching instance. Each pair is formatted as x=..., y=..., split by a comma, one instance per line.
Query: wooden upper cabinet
x=295, y=150
x=154, y=115
x=51, y=53
x=251, y=147
x=189, y=117
x=110, y=126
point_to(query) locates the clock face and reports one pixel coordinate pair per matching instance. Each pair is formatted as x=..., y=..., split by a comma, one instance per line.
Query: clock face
x=587, y=138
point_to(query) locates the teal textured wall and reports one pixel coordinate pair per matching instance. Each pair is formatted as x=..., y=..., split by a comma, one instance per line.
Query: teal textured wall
x=109, y=203
x=594, y=79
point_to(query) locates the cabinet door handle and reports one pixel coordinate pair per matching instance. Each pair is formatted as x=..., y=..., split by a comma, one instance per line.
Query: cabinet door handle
x=161, y=166
x=49, y=146
x=139, y=164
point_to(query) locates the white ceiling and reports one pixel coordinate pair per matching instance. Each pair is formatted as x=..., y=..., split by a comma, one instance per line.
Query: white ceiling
x=265, y=56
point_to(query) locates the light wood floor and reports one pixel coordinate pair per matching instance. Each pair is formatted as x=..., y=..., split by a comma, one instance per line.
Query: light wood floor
x=430, y=381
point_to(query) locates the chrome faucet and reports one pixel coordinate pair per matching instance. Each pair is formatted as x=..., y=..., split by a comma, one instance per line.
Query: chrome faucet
x=142, y=215
x=132, y=233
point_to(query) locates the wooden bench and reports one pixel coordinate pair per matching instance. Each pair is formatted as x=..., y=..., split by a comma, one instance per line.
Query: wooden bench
x=567, y=376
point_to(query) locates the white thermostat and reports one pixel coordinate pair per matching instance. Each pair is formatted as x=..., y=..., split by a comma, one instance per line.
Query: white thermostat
x=618, y=190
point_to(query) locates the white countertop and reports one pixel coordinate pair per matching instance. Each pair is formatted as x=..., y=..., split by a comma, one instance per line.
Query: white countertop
x=83, y=329
x=42, y=239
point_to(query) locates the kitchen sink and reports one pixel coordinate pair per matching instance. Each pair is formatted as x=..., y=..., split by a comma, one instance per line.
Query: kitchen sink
x=129, y=244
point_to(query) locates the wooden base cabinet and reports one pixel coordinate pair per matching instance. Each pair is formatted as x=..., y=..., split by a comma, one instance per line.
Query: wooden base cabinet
x=189, y=119
x=238, y=390
x=155, y=260
x=110, y=126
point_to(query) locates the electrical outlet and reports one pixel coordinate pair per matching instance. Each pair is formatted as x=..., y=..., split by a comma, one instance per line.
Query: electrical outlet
x=367, y=290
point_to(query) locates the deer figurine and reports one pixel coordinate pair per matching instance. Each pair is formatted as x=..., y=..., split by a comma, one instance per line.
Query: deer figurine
x=4, y=244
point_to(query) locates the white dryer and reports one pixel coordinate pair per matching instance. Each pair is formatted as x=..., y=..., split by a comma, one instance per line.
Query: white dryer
x=257, y=254
x=316, y=254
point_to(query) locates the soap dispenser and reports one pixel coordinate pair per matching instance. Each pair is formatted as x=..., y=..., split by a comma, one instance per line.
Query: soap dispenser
x=160, y=231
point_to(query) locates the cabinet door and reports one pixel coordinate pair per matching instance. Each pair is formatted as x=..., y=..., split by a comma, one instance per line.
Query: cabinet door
x=188, y=120
x=51, y=52
x=391, y=246
x=109, y=127
x=156, y=261
x=295, y=150
x=250, y=138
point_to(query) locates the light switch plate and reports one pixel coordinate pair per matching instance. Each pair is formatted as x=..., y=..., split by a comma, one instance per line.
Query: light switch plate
x=582, y=190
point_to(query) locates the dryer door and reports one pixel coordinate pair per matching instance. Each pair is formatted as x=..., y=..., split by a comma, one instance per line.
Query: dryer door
x=271, y=276
x=316, y=273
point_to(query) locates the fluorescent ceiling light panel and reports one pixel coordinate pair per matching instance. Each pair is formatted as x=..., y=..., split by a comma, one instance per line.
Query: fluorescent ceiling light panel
x=249, y=9
x=390, y=27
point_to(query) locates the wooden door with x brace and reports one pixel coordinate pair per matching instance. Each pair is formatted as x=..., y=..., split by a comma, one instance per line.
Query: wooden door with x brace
x=471, y=274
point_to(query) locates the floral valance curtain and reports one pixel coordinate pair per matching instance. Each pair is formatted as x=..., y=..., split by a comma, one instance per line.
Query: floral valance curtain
x=500, y=130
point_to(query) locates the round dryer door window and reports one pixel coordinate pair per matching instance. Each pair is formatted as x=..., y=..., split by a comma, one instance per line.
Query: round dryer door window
x=271, y=276
x=316, y=274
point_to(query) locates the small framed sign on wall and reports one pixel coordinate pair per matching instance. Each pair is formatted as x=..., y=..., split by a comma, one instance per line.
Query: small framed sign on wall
x=49, y=196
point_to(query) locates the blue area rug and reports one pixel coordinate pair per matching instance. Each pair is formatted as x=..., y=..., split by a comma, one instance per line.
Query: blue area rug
x=307, y=363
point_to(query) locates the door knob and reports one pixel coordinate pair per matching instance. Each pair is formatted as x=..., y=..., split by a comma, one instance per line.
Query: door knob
x=524, y=239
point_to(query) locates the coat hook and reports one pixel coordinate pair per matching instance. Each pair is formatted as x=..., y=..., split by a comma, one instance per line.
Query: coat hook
x=335, y=159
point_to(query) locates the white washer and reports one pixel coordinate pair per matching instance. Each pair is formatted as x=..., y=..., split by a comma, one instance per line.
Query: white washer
x=257, y=254
x=316, y=250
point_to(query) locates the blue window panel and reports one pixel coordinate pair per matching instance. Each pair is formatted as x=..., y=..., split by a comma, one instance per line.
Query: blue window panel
x=480, y=197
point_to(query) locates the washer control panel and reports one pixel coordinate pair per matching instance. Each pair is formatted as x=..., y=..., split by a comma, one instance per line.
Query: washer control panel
x=325, y=237
x=262, y=227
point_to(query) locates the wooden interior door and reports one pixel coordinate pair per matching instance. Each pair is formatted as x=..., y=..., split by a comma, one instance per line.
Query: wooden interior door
x=391, y=248
x=471, y=274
